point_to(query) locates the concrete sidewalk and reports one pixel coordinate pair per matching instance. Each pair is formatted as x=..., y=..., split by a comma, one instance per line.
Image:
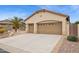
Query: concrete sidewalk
x=35, y=43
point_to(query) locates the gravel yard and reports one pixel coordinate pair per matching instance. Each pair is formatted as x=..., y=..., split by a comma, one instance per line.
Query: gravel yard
x=69, y=47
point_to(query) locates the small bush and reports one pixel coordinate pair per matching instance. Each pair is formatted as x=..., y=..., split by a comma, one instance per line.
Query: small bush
x=2, y=30
x=72, y=38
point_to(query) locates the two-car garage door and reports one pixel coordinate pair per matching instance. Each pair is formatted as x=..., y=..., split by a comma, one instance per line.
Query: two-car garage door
x=47, y=28
x=50, y=28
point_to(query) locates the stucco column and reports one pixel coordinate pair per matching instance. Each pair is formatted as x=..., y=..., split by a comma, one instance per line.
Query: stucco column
x=64, y=28
x=68, y=24
x=78, y=29
x=35, y=28
x=27, y=28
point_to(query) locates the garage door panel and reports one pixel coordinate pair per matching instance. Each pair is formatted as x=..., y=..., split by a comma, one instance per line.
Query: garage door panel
x=31, y=28
x=50, y=28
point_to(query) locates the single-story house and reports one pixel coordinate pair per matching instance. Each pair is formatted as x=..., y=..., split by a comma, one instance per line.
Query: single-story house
x=47, y=22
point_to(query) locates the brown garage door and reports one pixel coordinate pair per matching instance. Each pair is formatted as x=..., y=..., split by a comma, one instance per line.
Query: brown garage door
x=31, y=28
x=50, y=28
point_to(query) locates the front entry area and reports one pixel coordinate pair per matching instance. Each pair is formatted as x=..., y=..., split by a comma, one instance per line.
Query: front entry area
x=50, y=28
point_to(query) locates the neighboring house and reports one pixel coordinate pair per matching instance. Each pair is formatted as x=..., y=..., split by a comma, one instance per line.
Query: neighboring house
x=7, y=24
x=48, y=22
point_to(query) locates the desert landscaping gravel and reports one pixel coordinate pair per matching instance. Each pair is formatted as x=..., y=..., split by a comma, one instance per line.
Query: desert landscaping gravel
x=69, y=47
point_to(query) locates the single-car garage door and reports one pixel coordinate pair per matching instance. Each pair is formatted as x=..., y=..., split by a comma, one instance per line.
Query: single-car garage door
x=31, y=28
x=50, y=28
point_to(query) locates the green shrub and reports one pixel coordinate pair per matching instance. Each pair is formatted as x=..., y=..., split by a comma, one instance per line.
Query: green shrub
x=2, y=30
x=72, y=38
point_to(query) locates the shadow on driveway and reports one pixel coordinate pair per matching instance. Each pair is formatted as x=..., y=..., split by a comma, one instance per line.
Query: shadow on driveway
x=3, y=51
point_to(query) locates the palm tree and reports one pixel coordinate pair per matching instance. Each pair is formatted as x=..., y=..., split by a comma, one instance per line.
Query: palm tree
x=16, y=22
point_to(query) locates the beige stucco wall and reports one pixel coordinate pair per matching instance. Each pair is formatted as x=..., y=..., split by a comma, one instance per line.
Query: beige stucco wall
x=27, y=27
x=35, y=28
x=42, y=16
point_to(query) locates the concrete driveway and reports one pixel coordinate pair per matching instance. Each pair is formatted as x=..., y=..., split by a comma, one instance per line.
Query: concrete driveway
x=35, y=43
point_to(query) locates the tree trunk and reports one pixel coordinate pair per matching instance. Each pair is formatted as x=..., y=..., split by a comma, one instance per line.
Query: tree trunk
x=15, y=30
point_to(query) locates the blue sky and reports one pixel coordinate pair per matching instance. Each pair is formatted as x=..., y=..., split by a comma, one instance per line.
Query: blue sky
x=23, y=11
